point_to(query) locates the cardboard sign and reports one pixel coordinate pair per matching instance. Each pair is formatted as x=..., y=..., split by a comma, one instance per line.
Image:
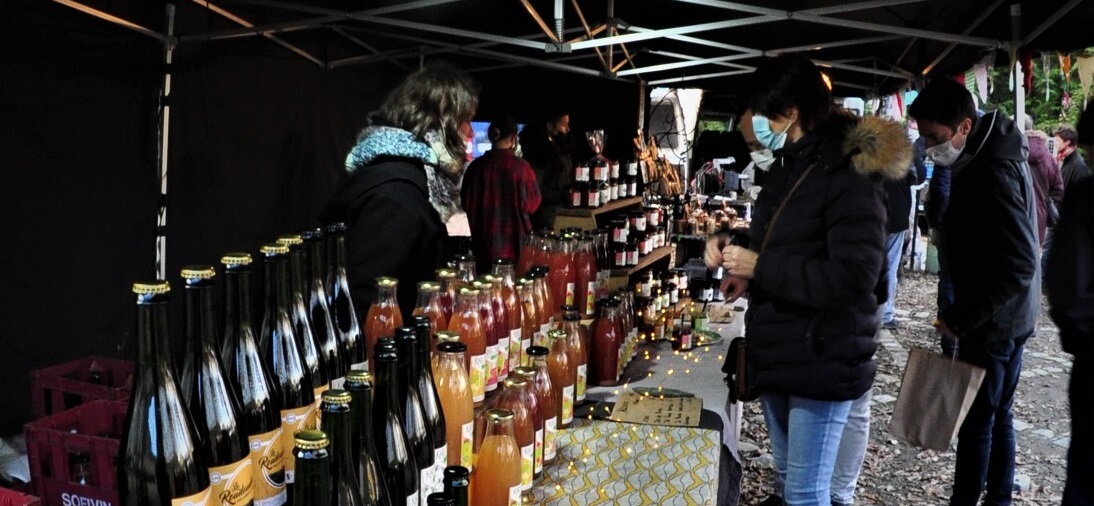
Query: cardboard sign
x=654, y=410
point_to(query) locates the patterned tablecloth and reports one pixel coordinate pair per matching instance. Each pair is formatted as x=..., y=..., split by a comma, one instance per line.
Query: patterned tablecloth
x=603, y=462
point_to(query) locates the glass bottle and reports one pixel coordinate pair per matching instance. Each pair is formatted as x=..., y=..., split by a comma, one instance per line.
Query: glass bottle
x=447, y=279
x=253, y=383
x=563, y=376
x=465, y=269
x=343, y=310
x=397, y=466
x=550, y=303
x=155, y=471
x=592, y=196
x=440, y=499
x=605, y=346
x=454, y=391
x=489, y=327
x=527, y=253
x=302, y=325
x=365, y=457
x=422, y=370
x=579, y=353
x=412, y=414
x=529, y=317
x=512, y=399
x=319, y=308
x=383, y=316
x=511, y=299
x=283, y=357
x=548, y=398
x=457, y=482
x=501, y=325
x=429, y=305
x=338, y=424
x=447, y=336
x=496, y=478
x=467, y=321
x=559, y=277
x=212, y=404
x=313, y=463
x=585, y=276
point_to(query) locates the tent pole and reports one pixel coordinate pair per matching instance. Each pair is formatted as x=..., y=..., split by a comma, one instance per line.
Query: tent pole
x=1019, y=76
x=164, y=128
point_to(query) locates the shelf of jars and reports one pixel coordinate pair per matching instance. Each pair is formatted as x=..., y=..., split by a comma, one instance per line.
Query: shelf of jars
x=644, y=262
x=614, y=205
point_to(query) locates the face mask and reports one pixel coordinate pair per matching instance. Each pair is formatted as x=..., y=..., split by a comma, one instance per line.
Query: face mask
x=763, y=158
x=945, y=153
x=762, y=128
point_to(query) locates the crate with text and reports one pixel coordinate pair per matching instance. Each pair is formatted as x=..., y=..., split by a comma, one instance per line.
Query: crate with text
x=72, y=454
x=64, y=386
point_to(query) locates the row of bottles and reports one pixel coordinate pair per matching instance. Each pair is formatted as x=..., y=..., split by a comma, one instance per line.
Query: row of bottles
x=599, y=182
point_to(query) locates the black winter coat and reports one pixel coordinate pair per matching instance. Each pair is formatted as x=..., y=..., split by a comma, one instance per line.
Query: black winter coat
x=991, y=236
x=392, y=230
x=811, y=322
x=1069, y=274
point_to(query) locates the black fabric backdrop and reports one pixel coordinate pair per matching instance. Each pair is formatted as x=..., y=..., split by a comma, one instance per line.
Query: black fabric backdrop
x=257, y=140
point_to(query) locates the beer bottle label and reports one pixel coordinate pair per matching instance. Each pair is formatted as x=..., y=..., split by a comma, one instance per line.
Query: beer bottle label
x=567, y=404
x=538, y=455
x=425, y=481
x=503, y=358
x=412, y=499
x=198, y=499
x=293, y=420
x=268, y=468
x=527, y=465
x=478, y=378
x=467, y=438
x=232, y=484
x=491, y=366
x=440, y=461
x=582, y=377
x=550, y=442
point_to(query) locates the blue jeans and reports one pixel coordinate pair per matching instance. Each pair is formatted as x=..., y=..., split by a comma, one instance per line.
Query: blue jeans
x=852, y=450
x=805, y=437
x=894, y=248
x=985, y=443
x=1079, y=490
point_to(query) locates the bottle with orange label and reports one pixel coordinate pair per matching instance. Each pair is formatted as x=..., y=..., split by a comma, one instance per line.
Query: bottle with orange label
x=512, y=398
x=489, y=327
x=252, y=382
x=563, y=376
x=282, y=355
x=510, y=295
x=383, y=315
x=467, y=321
x=152, y=470
x=495, y=481
x=454, y=391
x=213, y=405
x=501, y=326
x=530, y=400
x=548, y=398
x=576, y=339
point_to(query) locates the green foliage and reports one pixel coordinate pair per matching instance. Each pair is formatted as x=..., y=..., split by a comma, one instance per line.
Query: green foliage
x=715, y=125
x=1046, y=114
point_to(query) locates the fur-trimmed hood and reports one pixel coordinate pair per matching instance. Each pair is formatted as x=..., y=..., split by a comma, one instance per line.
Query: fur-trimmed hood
x=878, y=146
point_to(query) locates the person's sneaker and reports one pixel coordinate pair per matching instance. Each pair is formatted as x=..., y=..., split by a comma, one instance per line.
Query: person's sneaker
x=772, y=500
x=890, y=325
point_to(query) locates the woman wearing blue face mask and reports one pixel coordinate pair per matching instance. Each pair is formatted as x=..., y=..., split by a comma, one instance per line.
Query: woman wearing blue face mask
x=814, y=272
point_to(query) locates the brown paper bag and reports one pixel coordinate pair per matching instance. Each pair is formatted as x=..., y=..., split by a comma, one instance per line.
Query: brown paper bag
x=934, y=398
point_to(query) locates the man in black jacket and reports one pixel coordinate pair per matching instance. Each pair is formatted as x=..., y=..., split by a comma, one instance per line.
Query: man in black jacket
x=1069, y=278
x=991, y=239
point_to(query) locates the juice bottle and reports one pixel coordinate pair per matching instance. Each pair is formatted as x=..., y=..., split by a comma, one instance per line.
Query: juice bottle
x=548, y=401
x=563, y=376
x=531, y=401
x=513, y=311
x=454, y=390
x=562, y=275
x=496, y=479
x=467, y=321
x=447, y=336
x=447, y=279
x=429, y=305
x=465, y=269
x=489, y=327
x=383, y=315
x=585, y=277
x=605, y=345
x=579, y=356
x=547, y=307
x=501, y=325
x=527, y=253
x=529, y=324
x=512, y=398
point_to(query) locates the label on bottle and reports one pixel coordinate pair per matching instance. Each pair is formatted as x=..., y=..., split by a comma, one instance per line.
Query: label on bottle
x=202, y=499
x=708, y=294
x=570, y=289
x=440, y=461
x=598, y=173
x=268, y=468
x=412, y=499
x=550, y=439
x=467, y=440
x=503, y=358
x=538, y=453
x=524, y=345
x=338, y=383
x=613, y=192
x=620, y=258
x=605, y=195
x=685, y=340
x=478, y=377
x=425, y=482
x=514, y=348
x=582, y=174
x=543, y=331
x=594, y=198
x=360, y=365
x=632, y=188
x=527, y=466
x=633, y=260
x=514, y=495
x=293, y=420
x=491, y=366
x=318, y=403
x=590, y=298
x=582, y=378
x=232, y=484
x=567, y=404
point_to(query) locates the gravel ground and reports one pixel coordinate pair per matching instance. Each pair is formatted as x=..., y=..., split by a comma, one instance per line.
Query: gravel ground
x=896, y=473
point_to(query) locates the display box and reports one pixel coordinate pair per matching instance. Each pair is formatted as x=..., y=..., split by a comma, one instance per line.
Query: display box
x=65, y=386
x=10, y=497
x=73, y=454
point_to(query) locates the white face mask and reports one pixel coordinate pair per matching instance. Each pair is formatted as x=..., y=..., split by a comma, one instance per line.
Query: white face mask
x=763, y=158
x=945, y=153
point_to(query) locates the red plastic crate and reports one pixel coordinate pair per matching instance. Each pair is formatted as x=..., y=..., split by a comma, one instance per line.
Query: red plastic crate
x=71, y=384
x=93, y=429
x=13, y=498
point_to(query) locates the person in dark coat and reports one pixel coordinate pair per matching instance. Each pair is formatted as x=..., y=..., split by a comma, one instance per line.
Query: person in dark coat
x=401, y=203
x=815, y=268
x=898, y=208
x=1048, y=186
x=548, y=147
x=1072, y=166
x=991, y=240
x=1069, y=278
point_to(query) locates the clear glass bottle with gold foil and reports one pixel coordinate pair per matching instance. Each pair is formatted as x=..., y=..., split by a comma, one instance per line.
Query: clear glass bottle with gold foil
x=313, y=461
x=548, y=397
x=454, y=390
x=315, y=275
x=429, y=305
x=496, y=478
x=422, y=372
x=363, y=446
x=447, y=279
x=282, y=355
x=252, y=382
x=512, y=398
x=343, y=309
x=489, y=326
x=301, y=321
x=337, y=423
x=153, y=470
x=384, y=315
x=213, y=405
x=467, y=321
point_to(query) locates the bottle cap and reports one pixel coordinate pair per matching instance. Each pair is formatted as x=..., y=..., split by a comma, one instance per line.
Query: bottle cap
x=491, y=277
x=525, y=372
x=448, y=336
x=421, y=321
x=525, y=281
x=515, y=381
x=406, y=335
x=499, y=415
x=386, y=282
x=155, y=287
x=503, y=261
x=310, y=235
x=456, y=473
x=311, y=439
x=440, y=499
x=290, y=240
x=234, y=259
x=571, y=315
x=556, y=334
x=273, y=249
x=463, y=257
x=537, y=351
x=386, y=350
x=429, y=286
x=468, y=291
x=359, y=376
x=336, y=228
x=482, y=284
x=338, y=397
x=445, y=273
x=452, y=347
x=198, y=272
